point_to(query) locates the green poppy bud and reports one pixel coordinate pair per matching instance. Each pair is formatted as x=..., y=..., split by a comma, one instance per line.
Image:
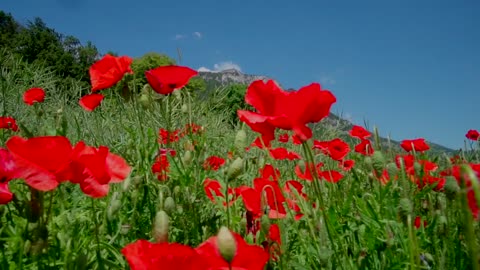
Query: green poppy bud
x=169, y=205
x=241, y=140
x=187, y=157
x=235, y=169
x=226, y=243
x=160, y=227
x=405, y=208
x=114, y=207
x=451, y=187
x=184, y=108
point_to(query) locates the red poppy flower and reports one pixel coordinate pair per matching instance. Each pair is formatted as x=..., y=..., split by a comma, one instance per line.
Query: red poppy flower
x=8, y=123
x=284, y=138
x=419, y=145
x=269, y=172
x=108, y=71
x=418, y=222
x=91, y=101
x=331, y=176
x=34, y=95
x=292, y=188
x=346, y=165
x=161, y=167
x=296, y=140
x=360, y=132
x=273, y=242
x=322, y=146
x=213, y=189
x=273, y=202
x=286, y=110
x=365, y=148
x=213, y=163
x=41, y=161
x=472, y=135
x=191, y=128
x=282, y=153
x=8, y=172
x=143, y=255
x=99, y=167
x=165, y=151
x=338, y=149
x=166, y=136
x=307, y=172
x=166, y=79
x=247, y=256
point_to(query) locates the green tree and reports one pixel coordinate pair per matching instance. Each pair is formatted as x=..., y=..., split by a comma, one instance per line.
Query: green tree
x=146, y=62
x=9, y=30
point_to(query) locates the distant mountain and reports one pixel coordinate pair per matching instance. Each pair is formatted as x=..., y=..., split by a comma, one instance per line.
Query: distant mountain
x=227, y=77
x=216, y=80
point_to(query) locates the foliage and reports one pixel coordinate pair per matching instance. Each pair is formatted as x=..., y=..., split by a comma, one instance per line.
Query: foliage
x=37, y=43
x=146, y=62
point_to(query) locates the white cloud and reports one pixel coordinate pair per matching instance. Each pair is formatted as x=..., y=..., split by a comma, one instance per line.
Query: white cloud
x=226, y=65
x=327, y=79
x=218, y=67
x=179, y=36
x=204, y=69
x=197, y=35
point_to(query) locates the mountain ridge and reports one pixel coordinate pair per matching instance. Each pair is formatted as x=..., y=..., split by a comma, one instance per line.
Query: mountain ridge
x=216, y=79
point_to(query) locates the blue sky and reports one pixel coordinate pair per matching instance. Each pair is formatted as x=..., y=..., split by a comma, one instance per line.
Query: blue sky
x=411, y=68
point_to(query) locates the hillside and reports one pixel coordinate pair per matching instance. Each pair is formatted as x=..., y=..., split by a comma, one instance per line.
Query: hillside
x=215, y=80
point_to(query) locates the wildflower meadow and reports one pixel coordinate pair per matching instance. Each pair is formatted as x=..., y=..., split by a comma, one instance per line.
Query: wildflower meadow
x=118, y=176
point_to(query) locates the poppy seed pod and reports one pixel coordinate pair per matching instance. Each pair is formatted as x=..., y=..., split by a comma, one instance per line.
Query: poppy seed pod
x=160, y=227
x=265, y=224
x=451, y=187
x=378, y=161
x=241, y=140
x=235, y=169
x=187, y=157
x=145, y=100
x=169, y=204
x=226, y=244
x=392, y=169
x=114, y=207
x=405, y=208
x=184, y=108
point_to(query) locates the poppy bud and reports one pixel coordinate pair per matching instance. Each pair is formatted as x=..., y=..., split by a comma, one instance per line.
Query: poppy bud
x=145, y=101
x=184, y=108
x=169, y=205
x=378, y=161
x=187, y=158
x=368, y=161
x=241, y=140
x=188, y=146
x=302, y=165
x=114, y=207
x=235, y=168
x=160, y=227
x=405, y=208
x=176, y=190
x=392, y=169
x=27, y=246
x=417, y=167
x=265, y=224
x=226, y=244
x=177, y=95
x=451, y=187
x=442, y=225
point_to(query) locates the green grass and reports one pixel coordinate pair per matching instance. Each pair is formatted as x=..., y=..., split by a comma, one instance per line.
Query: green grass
x=364, y=225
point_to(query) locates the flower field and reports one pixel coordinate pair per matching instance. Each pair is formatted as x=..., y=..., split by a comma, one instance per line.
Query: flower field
x=156, y=179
